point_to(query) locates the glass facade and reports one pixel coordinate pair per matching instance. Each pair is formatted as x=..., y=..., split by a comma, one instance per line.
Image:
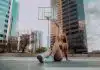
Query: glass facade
x=5, y=6
x=14, y=17
x=74, y=24
x=81, y=23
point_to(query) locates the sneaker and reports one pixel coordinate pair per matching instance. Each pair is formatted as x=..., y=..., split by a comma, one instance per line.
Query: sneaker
x=40, y=58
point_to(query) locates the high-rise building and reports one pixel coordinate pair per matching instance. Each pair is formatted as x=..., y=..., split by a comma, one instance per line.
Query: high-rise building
x=53, y=33
x=71, y=19
x=15, y=9
x=57, y=24
x=74, y=24
x=57, y=9
x=37, y=36
x=8, y=18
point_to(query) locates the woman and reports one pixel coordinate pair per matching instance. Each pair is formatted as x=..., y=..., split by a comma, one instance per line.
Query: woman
x=63, y=44
x=58, y=51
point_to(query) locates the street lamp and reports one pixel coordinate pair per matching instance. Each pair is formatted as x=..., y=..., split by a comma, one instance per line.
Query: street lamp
x=48, y=18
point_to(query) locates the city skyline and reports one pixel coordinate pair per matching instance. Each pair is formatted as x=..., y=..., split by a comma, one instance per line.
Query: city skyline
x=28, y=17
x=91, y=6
x=92, y=12
x=49, y=34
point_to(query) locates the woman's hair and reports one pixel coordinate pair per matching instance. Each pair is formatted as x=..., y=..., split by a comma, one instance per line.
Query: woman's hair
x=57, y=38
x=63, y=38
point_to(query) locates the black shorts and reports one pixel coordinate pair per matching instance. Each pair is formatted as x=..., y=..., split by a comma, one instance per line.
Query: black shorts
x=57, y=59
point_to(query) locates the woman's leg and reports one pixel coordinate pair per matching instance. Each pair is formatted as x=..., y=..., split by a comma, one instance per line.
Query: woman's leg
x=42, y=57
x=57, y=59
x=66, y=51
x=58, y=56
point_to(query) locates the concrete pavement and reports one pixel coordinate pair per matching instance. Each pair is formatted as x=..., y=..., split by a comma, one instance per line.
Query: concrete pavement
x=31, y=63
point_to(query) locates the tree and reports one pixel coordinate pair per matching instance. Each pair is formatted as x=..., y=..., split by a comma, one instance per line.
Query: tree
x=9, y=47
x=3, y=46
x=12, y=44
x=24, y=42
x=41, y=50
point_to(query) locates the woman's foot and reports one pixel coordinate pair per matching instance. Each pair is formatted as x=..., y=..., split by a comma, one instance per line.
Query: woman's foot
x=40, y=58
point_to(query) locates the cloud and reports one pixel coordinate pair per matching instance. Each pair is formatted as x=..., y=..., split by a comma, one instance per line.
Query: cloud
x=92, y=15
x=92, y=8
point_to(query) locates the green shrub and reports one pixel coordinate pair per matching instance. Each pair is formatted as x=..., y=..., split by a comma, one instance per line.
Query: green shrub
x=41, y=50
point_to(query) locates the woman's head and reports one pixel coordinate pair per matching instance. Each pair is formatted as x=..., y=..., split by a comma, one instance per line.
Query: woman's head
x=63, y=38
x=57, y=38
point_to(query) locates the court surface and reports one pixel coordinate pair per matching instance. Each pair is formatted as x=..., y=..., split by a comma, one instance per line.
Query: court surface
x=31, y=63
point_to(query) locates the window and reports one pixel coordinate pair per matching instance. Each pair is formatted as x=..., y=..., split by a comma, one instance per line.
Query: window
x=74, y=32
x=9, y=3
x=9, y=7
x=73, y=9
x=73, y=6
x=8, y=12
x=5, y=31
x=7, y=16
x=6, y=21
x=4, y=36
x=74, y=27
x=6, y=25
x=1, y=35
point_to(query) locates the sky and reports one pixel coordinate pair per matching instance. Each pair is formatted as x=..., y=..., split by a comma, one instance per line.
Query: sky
x=28, y=17
x=92, y=17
